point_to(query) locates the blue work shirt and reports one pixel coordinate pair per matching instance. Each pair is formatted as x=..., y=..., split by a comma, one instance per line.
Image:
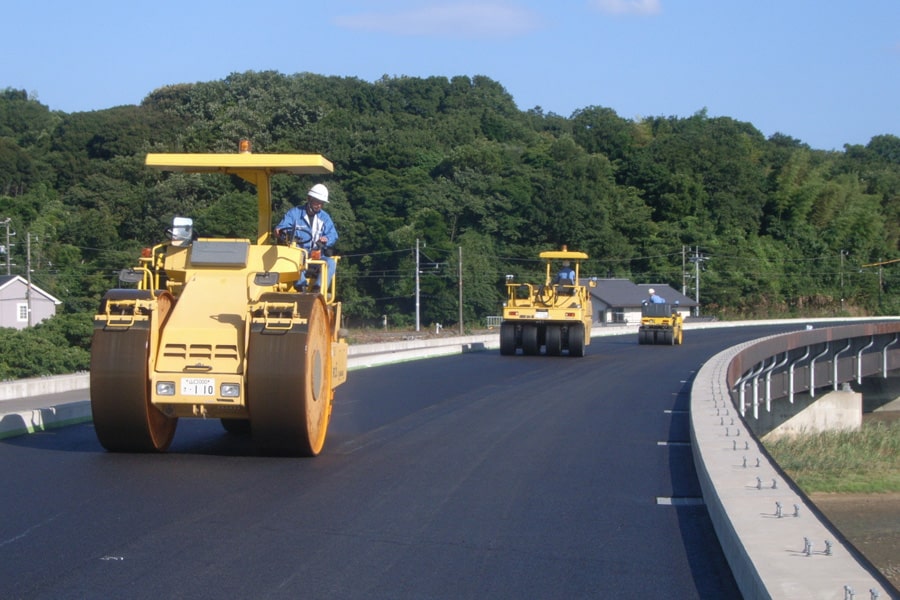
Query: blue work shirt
x=307, y=231
x=566, y=273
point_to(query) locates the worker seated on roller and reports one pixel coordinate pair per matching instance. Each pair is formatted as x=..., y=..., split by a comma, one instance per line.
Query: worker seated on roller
x=564, y=279
x=654, y=297
x=312, y=229
x=566, y=275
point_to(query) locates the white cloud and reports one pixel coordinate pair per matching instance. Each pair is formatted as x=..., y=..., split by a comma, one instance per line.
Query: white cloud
x=628, y=7
x=459, y=19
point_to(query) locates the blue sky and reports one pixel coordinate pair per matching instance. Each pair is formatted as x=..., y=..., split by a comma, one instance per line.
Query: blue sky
x=824, y=72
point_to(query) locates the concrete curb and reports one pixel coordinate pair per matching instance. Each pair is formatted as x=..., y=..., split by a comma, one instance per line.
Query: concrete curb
x=27, y=421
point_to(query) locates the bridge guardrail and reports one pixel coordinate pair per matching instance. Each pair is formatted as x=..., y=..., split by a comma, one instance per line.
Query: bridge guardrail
x=776, y=542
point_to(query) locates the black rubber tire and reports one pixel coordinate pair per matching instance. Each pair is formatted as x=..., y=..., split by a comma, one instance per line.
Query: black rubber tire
x=554, y=340
x=507, y=339
x=576, y=340
x=530, y=344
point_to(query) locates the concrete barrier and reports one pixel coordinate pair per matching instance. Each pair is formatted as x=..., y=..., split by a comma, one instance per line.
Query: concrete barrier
x=43, y=386
x=773, y=538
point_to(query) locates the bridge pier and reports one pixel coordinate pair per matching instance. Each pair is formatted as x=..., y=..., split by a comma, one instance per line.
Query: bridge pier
x=881, y=393
x=835, y=410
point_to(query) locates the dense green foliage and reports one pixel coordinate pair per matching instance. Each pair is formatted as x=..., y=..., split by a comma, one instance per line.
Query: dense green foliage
x=781, y=229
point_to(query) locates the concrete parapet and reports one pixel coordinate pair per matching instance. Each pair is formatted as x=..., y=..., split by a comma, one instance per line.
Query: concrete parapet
x=770, y=533
x=42, y=386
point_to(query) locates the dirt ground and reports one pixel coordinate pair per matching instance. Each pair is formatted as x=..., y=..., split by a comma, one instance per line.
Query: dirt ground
x=871, y=522
x=381, y=336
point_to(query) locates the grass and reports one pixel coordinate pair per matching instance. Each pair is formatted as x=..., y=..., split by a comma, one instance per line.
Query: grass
x=864, y=461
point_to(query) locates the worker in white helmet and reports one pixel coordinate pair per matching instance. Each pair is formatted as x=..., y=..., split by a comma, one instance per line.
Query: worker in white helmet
x=654, y=298
x=311, y=228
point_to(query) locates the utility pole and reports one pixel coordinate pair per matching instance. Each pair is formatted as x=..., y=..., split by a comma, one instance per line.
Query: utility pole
x=7, y=248
x=28, y=271
x=459, y=276
x=683, y=272
x=843, y=254
x=880, y=264
x=697, y=259
x=417, y=285
x=697, y=279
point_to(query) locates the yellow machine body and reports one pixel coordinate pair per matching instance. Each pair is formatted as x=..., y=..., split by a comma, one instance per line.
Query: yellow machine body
x=552, y=315
x=215, y=329
x=661, y=324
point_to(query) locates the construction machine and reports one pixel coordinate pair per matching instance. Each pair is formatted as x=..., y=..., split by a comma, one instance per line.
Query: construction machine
x=555, y=315
x=214, y=328
x=661, y=324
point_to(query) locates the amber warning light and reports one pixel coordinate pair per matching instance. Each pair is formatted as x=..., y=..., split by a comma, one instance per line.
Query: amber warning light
x=245, y=146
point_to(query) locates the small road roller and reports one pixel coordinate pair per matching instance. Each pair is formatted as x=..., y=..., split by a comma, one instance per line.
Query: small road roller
x=661, y=324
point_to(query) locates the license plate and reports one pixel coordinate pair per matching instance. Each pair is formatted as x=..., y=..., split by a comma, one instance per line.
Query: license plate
x=541, y=314
x=198, y=386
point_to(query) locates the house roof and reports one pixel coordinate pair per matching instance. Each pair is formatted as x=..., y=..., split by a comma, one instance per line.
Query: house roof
x=6, y=280
x=622, y=293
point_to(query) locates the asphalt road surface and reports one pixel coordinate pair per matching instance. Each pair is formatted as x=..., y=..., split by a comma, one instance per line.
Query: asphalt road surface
x=470, y=476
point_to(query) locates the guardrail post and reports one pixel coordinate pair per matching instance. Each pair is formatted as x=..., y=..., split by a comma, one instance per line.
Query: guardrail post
x=791, y=375
x=884, y=367
x=859, y=360
x=812, y=370
x=834, y=364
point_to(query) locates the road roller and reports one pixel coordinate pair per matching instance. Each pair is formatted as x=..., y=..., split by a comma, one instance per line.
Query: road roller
x=214, y=328
x=555, y=315
x=661, y=324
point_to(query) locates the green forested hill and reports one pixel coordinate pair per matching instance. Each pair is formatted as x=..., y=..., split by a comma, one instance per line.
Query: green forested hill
x=781, y=229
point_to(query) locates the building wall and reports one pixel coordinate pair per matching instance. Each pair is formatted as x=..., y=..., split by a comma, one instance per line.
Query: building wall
x=13, y=305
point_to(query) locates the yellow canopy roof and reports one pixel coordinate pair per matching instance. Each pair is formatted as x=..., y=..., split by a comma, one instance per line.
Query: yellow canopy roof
x=234, y=164
x=563, y=255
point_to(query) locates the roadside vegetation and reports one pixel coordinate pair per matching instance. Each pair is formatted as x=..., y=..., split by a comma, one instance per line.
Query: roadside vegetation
x=864, y=461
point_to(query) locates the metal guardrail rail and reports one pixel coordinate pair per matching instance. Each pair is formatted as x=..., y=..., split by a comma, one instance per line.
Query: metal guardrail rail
x=789, y=364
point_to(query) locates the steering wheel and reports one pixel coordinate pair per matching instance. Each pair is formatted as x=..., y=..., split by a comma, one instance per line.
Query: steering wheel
x=545, y=294
x=286, y=236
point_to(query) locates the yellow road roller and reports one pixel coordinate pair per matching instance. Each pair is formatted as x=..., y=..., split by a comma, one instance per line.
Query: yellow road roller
x=661, y=324
x=213, y=328
x=555, y=315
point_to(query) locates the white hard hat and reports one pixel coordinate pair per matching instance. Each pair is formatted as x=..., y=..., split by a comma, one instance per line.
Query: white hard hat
x=318, y=192
x=651, y=291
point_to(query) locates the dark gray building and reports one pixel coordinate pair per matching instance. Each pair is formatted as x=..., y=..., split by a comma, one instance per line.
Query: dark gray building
x=618, y=301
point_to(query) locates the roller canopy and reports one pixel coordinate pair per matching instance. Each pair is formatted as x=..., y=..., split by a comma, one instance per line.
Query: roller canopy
x=236, y=164
x=563, y=255
x=255, y=169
